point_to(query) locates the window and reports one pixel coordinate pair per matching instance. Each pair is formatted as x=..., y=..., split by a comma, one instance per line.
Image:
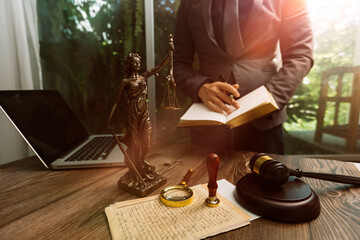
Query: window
x=84, y=44
x=83, y=47
x=336, y=30
x=164, y=21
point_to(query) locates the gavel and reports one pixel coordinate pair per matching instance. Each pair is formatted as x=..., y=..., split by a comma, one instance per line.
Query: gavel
x=277, y=174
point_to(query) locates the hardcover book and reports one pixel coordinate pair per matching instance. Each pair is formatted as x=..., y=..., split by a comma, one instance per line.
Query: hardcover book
x=253, y=105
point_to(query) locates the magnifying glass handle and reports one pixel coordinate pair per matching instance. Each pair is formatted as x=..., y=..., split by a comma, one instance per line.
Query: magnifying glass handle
x=212, y=166
x=187, y=177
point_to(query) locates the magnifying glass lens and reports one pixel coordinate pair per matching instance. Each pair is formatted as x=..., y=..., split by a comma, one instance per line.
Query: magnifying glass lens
x=177, y=194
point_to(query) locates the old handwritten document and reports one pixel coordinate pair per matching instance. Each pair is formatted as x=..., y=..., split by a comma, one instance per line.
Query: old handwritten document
x=148, y=218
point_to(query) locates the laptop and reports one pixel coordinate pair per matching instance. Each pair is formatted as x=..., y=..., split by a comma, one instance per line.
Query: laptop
x=54, y=133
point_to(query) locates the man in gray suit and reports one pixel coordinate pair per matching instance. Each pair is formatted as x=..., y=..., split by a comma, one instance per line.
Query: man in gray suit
x=235, y=42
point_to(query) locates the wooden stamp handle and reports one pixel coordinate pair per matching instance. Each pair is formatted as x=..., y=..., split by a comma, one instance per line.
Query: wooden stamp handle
x=212, y=166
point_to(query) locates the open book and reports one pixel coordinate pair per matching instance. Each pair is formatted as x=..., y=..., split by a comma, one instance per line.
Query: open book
x=253, y=105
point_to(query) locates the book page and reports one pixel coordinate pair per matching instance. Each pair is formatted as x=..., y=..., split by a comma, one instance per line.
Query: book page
x=148, y=217
x=199, y=111
x=258, y=97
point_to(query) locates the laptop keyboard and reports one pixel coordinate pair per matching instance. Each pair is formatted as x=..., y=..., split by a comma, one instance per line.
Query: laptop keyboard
x=97, y=149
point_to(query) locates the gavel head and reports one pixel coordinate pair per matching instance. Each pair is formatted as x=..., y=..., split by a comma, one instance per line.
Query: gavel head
x=273, y=172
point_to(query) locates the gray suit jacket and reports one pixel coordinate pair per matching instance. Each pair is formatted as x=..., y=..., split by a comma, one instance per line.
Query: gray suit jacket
x=269, y=22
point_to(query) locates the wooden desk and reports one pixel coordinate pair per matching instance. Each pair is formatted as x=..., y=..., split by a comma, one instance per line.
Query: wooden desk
x=69, y=204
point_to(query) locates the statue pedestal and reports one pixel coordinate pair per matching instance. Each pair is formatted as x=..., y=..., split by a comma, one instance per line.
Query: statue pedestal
x=130, y=184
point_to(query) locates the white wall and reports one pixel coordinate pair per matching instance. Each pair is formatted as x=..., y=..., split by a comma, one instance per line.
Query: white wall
x=18, y=68
x=357, y=51
x=357, y=48
x=9, y=76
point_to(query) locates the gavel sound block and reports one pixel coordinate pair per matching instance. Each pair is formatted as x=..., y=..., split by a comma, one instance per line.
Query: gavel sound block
x=291, y=201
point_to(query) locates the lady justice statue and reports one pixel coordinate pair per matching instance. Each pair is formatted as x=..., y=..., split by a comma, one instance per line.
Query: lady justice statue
x=141, y=178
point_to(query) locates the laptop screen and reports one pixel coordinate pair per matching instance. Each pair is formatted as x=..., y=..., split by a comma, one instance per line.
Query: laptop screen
x=45, y=120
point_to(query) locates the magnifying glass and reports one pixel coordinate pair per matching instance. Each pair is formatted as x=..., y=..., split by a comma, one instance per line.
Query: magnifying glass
x=178, y=195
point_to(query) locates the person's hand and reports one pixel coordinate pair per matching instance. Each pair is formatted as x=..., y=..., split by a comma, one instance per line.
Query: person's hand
x=215, y=95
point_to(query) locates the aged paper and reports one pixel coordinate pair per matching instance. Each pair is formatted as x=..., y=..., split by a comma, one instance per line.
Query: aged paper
x=228, y=191
x=148, y=218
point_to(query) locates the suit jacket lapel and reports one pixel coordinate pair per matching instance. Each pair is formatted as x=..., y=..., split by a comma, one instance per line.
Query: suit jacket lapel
x=206, y=12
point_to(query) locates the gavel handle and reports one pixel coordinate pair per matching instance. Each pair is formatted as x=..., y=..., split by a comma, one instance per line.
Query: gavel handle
x=325, y=176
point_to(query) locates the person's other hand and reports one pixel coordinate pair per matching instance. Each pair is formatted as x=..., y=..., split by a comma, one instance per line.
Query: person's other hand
x=215, y=95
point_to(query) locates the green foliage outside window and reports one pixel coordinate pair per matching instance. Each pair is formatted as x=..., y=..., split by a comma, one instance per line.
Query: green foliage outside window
x=83, y=44
x=334, y=46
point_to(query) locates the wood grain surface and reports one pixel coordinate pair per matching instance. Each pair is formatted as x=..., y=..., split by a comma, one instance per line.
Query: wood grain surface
x=37, y=203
